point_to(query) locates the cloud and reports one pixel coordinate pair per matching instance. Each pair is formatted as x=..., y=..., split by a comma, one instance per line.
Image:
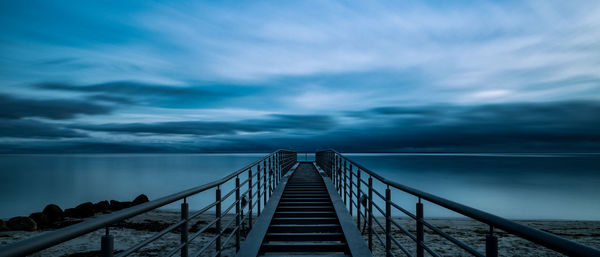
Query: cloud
x=12, y=107
x=128, y=92
x=272, y=123
x=10, y=128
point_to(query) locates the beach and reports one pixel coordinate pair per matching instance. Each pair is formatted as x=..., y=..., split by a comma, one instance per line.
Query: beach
x=136, y=229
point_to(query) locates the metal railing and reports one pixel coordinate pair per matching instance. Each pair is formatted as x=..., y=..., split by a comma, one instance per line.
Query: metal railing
x=258, y=179
x=350, y=178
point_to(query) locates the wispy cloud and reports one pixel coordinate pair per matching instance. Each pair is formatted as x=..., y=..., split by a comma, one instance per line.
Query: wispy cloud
x=373, y=71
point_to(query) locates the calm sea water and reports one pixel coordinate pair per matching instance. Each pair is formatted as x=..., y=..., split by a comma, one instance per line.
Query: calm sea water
x=556, y=186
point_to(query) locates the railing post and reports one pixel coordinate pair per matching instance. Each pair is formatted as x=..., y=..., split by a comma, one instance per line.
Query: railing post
x=218, y=225
x=265, y=186
x=420, y=235
x=107, y=244
x=388, y=222
x=370, y=215
x=358, y=202
x=491, y=244
x=250, y=207
x=184, y=228
x=350, y=194
x=258, y=190
x=237, y=213
x=345, y=184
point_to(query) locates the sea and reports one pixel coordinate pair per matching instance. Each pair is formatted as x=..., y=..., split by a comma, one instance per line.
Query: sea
x=513, y=186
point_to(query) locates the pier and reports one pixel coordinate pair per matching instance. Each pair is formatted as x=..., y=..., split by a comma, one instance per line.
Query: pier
x=278, y=206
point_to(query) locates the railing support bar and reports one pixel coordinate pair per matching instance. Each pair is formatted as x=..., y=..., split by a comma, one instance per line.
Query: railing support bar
x=388, y=222
x=107, y=244
x=491, y=244
x=420, y=235
x=184, y=228
x=250, y=207
x=218, y=225
x=238, y=215
x=358, y=202
x=370, y=216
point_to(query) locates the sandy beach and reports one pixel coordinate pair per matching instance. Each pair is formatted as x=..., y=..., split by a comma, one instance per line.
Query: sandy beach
x=473, y=233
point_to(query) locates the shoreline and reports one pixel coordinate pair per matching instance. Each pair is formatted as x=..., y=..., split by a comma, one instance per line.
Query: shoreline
x=136, y=229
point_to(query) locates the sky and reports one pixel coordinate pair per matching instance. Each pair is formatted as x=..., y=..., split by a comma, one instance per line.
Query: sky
x=254, y=76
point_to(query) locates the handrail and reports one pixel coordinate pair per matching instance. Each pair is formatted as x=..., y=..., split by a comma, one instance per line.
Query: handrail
x=331, y=160
x=274, y=164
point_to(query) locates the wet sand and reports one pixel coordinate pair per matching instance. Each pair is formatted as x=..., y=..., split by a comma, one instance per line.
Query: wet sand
x=473, y=233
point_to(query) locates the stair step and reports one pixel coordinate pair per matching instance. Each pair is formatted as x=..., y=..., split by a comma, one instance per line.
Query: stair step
x=304, y=208
x=304, y=247
x=305, y=237
x=296, y=203
x=311, y=220
x=305, y=214
x=307, y=228
x=306, y=199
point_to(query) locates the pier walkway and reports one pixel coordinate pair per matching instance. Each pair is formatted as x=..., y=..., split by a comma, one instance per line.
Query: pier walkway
x=277, y=206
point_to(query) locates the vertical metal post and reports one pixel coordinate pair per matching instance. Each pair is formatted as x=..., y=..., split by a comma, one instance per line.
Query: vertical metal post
x=184, y=228
x=491, y=244
x=370, y=215
x=237, y=214
x=250, y=207
x=388, y=222
x=358, y=203
x=107, y=244
x=218, y=225
x=265, y=186
x=258, y=190
x=345, y=184
x=350, y=194
x=420, y=235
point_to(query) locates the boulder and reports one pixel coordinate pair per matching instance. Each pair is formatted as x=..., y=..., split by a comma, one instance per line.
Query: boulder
x=140, y=199
x=115, y=205
x=101, y=206
x=83, y=210
x=40, y=219
x=71, y=213
x=22, y=223
x=126, y=204
x=53, y=212
x=3, y=226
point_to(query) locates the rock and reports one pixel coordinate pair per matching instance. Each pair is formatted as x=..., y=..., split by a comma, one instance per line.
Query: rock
x=40, y=219
x=140, y=199
x=71, y=212
x=101, y=206
x=126, y=204
x=53, y=212
x=3, y=226
x=115, y=205
x=22, y=223
x=85, y=209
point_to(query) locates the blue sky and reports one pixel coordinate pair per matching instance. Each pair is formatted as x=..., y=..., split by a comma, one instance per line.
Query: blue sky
x=193, y=76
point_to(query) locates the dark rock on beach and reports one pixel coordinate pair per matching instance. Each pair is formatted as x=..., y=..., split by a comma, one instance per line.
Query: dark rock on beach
x=22, y=223
x=3, y=226
x=40, y=219
x=101, y=206
x=53, y=212
x=140, y=199
x=116, y=205
x=83, y=210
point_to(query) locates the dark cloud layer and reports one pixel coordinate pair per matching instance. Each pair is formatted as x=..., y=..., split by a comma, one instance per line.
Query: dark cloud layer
x=207, y=128
x=14, y=108
x=10, y=128
x=519, y=127
x=129, y=92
